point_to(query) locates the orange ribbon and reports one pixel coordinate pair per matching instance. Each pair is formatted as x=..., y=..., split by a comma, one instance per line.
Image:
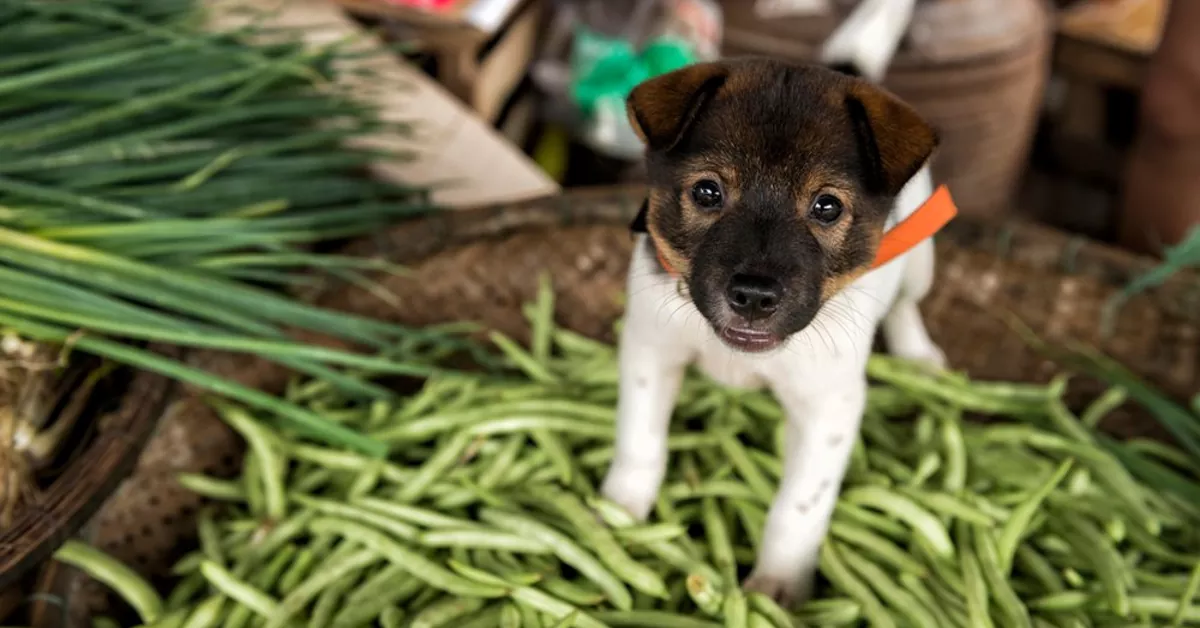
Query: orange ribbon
x=929, y=218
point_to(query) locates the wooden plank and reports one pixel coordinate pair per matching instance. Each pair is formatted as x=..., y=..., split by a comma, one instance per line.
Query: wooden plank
x=470, y=162
x=1130, y=26
x=1096, y=63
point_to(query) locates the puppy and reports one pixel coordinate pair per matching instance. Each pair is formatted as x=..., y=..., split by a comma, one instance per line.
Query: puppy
x=771, y=189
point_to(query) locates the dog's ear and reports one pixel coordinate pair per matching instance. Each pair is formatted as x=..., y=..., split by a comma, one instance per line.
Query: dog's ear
x=662, y=108
x=893, y=139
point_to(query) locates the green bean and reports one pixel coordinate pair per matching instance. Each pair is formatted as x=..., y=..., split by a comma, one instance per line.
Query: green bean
x=530, y=409
x=724, y=489
x=923, y=523
x=954, y=479
x=391, y=617
x=417, y=565
x=774, y=614
x=446, y=612
x=879, y=547
x=240, y=591
x=639, y=619
x=831, y=612
x=328, y=599
x=186, y=589
x=927, y=467
x=1007, y=602
x=975, y=586
x=844, y=579
x=509, y=617
x=870, y=520
x=705, y=594
x=753, y=520
x=576, y=593
x=413, y=514
x=121, y=579
x=367, y=480
x=277, y=537
x=719, y=542
x=390, y=585
x=605, y=544
x=527, y=363
x=476, y=538
x=206, y=614
x=1163, y=608
x=322, y=580
x=941, y=612
x=520, y=472
x=252, y=485
x=1103, y=405
x=212, y=488
x=948, y=505
x=649, y=534
x=490, y=477
x=1018, y=523
x=508, y=567
x=1106, y=562
x=357, y=514
x=210, y=537
x=1035, y=565
x=566, y=549
x=435, y=467
x=529, y=616
x=906, y=605
x=1185, y=598
x=526, y=595
x=273, y=570
x=1059, y=602
x=736, y=609
x=747, y=469
x=263, y=443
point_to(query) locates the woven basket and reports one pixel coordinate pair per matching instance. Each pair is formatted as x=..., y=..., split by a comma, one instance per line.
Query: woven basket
x=484, y=264
x=100, y=451
x=974, y=68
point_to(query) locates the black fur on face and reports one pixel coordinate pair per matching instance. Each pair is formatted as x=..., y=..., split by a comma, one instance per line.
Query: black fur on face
x=770, y=186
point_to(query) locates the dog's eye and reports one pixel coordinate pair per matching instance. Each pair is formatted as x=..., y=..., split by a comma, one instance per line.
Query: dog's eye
x=707, y=194
x=826, y=209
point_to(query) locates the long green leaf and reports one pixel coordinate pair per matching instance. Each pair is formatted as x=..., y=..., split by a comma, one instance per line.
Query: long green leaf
x=303, y=421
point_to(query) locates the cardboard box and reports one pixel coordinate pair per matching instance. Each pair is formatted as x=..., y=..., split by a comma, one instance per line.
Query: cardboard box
x=481, y=50
x=467, y=160
x=484, y=17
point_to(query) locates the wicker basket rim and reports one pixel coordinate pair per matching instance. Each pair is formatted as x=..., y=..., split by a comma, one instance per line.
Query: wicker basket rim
x=87, y=480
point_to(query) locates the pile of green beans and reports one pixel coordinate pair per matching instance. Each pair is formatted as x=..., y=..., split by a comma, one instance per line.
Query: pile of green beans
x=486, y=512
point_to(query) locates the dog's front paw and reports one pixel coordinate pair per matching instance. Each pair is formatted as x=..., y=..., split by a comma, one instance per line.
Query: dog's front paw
x=632, y=489
x=787, y=591
x=923, y=353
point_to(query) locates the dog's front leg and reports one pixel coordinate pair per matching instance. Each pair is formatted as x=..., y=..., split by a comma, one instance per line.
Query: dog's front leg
x=821, y=432
x=649, y=384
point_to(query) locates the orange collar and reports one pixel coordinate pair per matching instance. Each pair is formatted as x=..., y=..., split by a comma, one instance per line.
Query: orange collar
x=929, y=218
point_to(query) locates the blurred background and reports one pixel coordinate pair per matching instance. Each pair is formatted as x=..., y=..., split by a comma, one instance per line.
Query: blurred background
x=1040, y=104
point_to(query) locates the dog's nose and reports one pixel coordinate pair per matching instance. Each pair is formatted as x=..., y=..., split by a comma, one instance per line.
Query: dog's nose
x=753, y=296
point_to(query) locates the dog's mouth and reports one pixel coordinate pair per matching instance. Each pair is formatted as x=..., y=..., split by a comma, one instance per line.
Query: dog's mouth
x=749, y=340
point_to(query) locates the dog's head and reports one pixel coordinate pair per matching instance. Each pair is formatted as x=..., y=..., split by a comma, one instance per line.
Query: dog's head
x=770, y=185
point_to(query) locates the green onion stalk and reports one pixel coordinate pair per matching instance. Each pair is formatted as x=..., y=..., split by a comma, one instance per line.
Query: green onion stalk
x=161, y=183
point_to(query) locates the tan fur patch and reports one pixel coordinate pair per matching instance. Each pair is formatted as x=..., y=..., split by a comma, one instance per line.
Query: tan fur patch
x=679, y=263
x=834, y=284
